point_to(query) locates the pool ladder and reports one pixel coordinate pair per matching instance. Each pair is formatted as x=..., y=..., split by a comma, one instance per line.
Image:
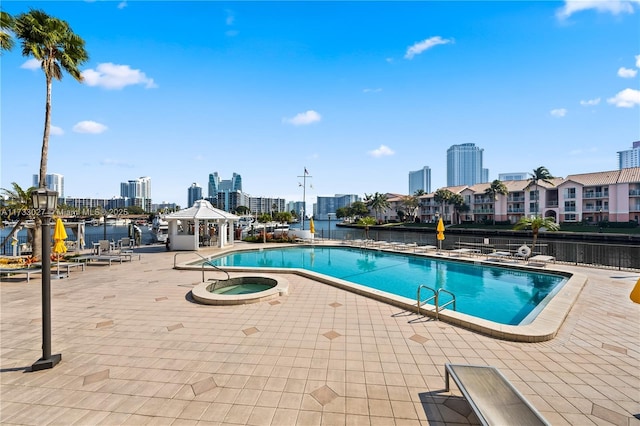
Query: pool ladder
x=436, y=299
x=206, y=262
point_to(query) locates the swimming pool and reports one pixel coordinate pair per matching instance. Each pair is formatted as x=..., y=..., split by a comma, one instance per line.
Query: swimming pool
x=507, y=296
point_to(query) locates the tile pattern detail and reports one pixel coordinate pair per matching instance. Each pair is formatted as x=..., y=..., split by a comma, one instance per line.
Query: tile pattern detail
x=104, y=324
x=324, y=395
x=419, y=339
x=203, y=386
x=332, y=334
x=335, y=304
x=614, y=348
x=96, y=377
x=175, y=327
x=250, y=331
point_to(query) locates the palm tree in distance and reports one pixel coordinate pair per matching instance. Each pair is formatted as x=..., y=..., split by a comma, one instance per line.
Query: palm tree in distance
x=442, y=196
x=18, y=201
x=496, y=187
x=51, y=41
x=6, y=25
x=377, y=202
x=536, y=224
x=539, y=174
x=410, y=204
x=457, y=201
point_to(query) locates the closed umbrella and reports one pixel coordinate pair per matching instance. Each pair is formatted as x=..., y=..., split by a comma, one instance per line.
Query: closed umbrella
x=440, y=234
x=312, y=227
x=59, y=235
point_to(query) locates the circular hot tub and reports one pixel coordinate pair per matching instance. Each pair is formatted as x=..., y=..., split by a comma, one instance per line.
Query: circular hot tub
x=240, y=290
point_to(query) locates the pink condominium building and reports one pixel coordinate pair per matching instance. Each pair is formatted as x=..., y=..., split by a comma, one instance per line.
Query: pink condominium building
x=612, y=196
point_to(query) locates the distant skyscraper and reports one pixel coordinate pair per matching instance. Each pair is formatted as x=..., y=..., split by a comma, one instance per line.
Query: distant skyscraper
x=464, y=165
x=513, y=176
x=54, y=182
x=629, y=158
x=420, y=180
x=137, y=192
x=195, y=194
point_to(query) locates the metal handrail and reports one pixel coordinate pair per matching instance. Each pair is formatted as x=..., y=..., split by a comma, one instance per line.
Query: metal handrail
x=207, y=261
x=453, y=300
x=419, y=303
x=436, y=296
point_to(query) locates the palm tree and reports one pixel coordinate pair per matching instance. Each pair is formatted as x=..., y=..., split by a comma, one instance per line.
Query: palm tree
x=496, y=187
x=539, y=174
x=457, y=201
x=51, y=41
x=536, y=223
x=377, y=202
x=410, y=203
x=6, y=25
x=419, y=192
x=442, y=196
x=18, y=201
x=366, y=222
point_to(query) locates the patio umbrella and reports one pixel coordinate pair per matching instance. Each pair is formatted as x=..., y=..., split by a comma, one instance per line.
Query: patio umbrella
x=312, y=227
x=59, y=235
x=440, y=235
x=635, y=293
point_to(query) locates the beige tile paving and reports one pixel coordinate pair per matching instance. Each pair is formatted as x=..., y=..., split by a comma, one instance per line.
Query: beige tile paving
x=136, y=350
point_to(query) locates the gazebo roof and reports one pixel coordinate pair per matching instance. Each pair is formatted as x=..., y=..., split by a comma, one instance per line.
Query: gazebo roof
x=202, y=210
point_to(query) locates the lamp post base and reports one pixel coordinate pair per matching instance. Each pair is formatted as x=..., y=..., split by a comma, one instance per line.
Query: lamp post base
x=43, y=364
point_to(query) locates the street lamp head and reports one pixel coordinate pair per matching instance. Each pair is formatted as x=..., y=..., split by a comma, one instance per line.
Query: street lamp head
x=45, y=201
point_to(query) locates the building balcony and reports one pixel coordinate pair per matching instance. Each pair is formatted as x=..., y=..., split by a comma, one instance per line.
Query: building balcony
x=595, y=195
x=483, y=211
x=598, y=209
x=515, y=210
x=515, y=199
x=552, y=204
x=634, y=192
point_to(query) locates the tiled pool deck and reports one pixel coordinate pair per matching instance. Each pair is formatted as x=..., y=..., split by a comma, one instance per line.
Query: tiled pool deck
x=136, y=350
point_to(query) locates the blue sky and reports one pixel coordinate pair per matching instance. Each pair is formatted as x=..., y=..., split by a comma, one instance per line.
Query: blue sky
x=359, y=93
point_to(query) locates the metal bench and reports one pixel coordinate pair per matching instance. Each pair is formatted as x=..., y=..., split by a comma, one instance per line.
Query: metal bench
x=491, y=396
x=22, y=271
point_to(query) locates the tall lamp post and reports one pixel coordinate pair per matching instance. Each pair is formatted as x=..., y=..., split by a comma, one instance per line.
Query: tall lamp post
x=45, y=201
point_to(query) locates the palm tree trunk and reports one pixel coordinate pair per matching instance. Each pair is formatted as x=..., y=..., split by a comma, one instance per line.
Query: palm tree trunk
x=42, y=180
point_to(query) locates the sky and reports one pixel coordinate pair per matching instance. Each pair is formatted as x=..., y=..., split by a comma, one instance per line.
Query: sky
x=358, y=93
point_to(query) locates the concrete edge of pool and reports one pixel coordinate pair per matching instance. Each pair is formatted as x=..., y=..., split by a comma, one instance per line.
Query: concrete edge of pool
x=543, y=327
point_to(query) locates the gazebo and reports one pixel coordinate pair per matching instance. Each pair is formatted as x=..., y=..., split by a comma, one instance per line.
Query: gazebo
x=199, y=226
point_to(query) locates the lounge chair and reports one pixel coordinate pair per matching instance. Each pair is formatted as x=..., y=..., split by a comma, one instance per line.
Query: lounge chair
x=492, y=397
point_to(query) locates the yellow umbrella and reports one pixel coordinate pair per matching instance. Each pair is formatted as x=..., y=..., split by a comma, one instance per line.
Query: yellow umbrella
x=440, y=229
x=635, y=293
x=59, y=235
x=312, y=227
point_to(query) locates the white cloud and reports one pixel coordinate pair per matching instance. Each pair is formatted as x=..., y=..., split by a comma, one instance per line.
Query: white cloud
x=230, y=19
x=423, y=45
x=89, y=127
x=303, y=118
x=590, y=102
x=611, y=6
x=122, y=5
x=626, y=98
x=637, y=61
x=381, y=151
x=113, y=76
x=558, y=112
x=31, y=64
x=56, y=131
x=627, y=72
x=372, y=90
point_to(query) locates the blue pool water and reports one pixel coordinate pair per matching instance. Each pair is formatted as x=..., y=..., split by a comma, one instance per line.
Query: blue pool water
x=503, y=295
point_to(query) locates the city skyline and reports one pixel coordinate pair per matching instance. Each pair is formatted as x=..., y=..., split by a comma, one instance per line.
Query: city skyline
x=269, y=89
